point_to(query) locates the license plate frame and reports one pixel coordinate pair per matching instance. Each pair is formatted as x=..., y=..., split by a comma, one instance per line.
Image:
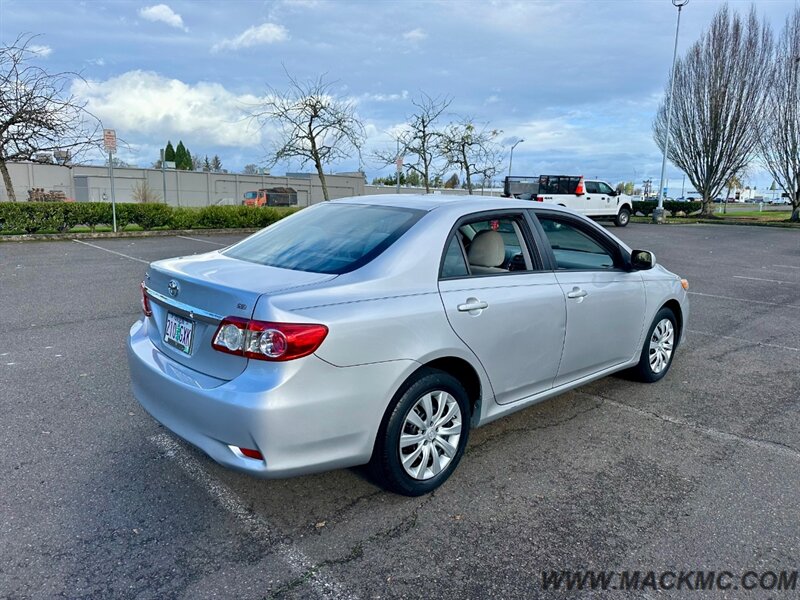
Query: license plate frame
x=179, y=332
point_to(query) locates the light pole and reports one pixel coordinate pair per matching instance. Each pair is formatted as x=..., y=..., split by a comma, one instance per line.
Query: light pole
x=658, y=213
x=511, y=156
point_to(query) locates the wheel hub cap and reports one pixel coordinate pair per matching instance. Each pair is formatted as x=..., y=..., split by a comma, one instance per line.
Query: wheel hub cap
x=430, y=435
x=662, y=342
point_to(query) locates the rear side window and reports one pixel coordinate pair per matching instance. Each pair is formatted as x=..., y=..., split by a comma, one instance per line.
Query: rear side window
x=454, y=264
x=327, y=238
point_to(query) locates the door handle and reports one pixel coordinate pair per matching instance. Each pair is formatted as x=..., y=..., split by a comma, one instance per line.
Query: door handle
x=472, y=304
x=577, y=293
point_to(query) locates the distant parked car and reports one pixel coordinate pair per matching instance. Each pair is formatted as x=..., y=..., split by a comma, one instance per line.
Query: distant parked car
x=381, y=329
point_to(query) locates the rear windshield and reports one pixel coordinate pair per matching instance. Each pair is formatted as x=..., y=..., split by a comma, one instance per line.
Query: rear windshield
x=327, y=238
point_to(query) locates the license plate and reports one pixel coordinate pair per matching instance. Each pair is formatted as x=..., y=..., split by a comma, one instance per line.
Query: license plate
x=178, y=333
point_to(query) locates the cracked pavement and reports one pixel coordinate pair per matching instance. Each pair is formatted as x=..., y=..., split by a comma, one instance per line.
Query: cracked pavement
x=698, y=471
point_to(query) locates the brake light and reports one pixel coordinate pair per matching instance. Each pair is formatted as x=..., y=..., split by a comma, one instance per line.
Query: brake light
x=579, y=191
x=148, y=312
x=263, y=340
x=540, y=198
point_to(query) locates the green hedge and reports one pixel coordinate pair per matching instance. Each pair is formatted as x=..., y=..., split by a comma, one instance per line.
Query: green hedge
x=33, y=217
x=646, y=206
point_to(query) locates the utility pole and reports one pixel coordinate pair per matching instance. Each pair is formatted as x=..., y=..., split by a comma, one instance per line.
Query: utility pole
x=658, y=212
x=164, y=176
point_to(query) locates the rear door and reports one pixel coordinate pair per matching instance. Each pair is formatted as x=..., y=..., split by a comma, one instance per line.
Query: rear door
x=511, y=314
x=604, y=302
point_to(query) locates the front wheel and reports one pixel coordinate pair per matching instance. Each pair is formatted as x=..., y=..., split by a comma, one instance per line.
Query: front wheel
x=423, y=434
x=622, y=218
x=659, y=348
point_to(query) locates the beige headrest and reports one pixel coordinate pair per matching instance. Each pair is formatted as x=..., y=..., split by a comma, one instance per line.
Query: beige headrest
x=487, y=249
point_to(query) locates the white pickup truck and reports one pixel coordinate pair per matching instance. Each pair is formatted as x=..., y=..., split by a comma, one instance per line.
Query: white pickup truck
x=591, y=197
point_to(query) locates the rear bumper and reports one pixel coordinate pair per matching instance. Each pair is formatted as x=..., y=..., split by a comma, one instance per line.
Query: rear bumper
x=303, y=416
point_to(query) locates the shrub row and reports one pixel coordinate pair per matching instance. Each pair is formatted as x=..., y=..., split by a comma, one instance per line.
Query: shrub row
x=646, y=206
x=32, y=217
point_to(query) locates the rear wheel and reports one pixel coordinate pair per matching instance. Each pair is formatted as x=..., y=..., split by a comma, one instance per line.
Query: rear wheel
x=659, y=348
x=423, y=434
x=623, y=217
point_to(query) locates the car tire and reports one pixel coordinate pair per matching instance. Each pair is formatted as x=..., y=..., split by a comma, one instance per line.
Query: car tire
x=623, y=217
x=433, y=443
x=659, y=347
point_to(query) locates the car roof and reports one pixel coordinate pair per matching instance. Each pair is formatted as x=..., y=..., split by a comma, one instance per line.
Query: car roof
x=459, y=202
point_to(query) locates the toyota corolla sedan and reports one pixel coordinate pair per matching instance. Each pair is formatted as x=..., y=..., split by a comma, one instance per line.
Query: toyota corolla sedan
x=381, y=329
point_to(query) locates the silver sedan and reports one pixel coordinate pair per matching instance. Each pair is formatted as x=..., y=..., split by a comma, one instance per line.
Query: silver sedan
x=381, y=329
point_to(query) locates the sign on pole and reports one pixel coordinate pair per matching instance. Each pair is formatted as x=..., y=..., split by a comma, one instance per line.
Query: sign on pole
x=110, y=144
x=110, y=140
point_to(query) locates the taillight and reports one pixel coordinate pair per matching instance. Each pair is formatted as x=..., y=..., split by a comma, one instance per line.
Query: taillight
x=148, y=312
x=540, y=198
x=267, y=341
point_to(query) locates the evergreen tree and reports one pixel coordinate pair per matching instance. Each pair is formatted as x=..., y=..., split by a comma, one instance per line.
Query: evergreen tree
x=180, y=156
x=169, y=152
x=216, y=164
x=189, y=162
x=206, y=165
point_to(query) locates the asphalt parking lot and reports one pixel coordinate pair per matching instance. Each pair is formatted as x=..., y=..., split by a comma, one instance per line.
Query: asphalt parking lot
x=699, y=471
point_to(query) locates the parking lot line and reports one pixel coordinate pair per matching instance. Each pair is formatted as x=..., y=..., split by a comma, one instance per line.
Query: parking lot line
x=739, y=339
x=323, y=584
x=147, y=262
x=185, y=237
x=786, y=266
x=762, y=279
x=745, y=300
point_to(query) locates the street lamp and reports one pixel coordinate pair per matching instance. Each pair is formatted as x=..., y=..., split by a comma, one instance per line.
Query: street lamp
x=658, y=213
x=511, y=156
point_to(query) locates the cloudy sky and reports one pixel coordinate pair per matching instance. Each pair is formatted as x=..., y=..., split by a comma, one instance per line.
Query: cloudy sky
x=578, y=80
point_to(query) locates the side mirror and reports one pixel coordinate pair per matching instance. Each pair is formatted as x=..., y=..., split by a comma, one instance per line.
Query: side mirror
x=642, y=260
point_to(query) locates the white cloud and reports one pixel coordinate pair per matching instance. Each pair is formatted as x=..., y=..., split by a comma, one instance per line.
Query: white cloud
x=142, y=104
x=41, y=50
x=384, y=97
x=415, y=35
x=266, y=33
x=98, y=62
x=163, y=14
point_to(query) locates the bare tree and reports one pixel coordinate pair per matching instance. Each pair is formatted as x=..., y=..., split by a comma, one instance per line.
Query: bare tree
x=718, y=98
x=779, y=134
x=38, y=114
x=419, y=140
x=313, y=125
x=142, y=192
x=250, y=169
x=471, y=150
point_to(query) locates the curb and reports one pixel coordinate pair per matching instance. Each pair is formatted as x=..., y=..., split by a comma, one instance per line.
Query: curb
x=88, y=235
x=691, y=221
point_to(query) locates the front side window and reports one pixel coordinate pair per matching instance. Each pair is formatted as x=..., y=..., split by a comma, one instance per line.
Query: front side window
x=605, y=188
x=330, y=238
x=573, y=248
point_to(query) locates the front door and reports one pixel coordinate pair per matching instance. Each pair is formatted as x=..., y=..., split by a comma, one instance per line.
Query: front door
x=605, y=303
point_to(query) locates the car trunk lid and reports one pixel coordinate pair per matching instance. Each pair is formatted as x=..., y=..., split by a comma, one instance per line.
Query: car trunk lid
x=189, y=296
